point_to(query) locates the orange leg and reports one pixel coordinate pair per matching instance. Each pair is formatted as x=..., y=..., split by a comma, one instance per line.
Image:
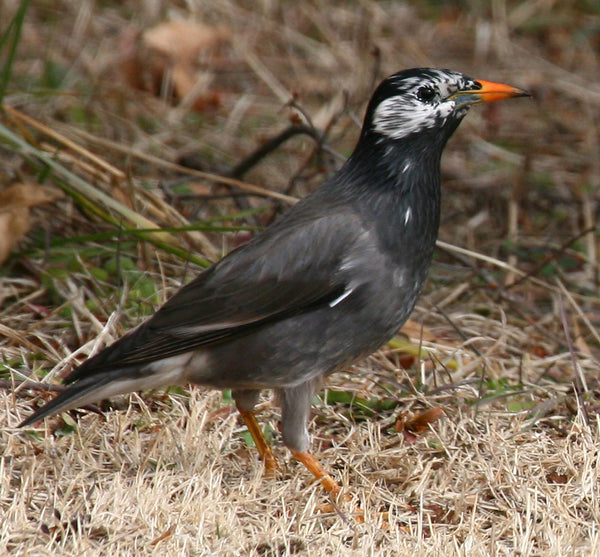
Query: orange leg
x=264, y=450
x=317, y=470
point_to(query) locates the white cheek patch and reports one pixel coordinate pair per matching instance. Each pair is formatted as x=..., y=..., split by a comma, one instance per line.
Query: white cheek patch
x=400, y=116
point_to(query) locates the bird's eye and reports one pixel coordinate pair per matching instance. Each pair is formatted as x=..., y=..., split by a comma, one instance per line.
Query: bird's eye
x=425, y=93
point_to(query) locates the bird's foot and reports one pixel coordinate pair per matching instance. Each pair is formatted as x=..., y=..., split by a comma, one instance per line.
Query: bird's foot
x=270, y=463
x=317, y=470
x=327, y=482
x=334, y=491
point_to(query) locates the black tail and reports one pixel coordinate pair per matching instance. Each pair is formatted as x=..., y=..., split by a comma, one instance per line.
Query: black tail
x=81, y=393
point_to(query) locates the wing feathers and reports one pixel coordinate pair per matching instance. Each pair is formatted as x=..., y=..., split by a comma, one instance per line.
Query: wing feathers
x=287, y=270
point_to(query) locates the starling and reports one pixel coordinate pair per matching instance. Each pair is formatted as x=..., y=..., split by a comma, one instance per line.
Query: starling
x=327, y=284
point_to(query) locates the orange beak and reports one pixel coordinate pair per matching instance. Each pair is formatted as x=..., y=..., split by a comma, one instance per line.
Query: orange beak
x=489, y=91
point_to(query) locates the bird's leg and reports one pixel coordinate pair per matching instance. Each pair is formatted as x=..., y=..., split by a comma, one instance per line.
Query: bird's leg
x=317, y=470
x=264, y=449
x=245, y=400
x=295, y=410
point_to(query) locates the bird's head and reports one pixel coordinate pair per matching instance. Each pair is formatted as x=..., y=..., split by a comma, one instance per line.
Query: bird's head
x=427, y=100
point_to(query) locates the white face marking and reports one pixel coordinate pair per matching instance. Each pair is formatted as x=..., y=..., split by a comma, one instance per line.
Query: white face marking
x=410, y=111
x=407, y=216
x=400, y=116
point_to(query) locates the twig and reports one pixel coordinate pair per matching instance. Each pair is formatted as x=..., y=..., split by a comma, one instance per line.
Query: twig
x=579, y=380
x=251, y=188
x=238, y=171
x=580, y=312
x=95, y=159
x=270, y=145
x=267, y=76
x=559, y=251
x=457, y=329
x=32, y=386
x=494, y=261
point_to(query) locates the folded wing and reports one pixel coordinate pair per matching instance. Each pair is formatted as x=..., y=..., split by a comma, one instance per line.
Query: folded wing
x=288, y=270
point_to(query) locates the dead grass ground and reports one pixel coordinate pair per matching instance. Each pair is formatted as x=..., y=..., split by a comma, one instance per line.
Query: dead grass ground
x=511, y=468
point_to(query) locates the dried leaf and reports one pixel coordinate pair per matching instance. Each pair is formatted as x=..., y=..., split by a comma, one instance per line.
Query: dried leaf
x=413, y=426
x=15, y=204
x=166, y=60
x=555, y=478
x=539, y=351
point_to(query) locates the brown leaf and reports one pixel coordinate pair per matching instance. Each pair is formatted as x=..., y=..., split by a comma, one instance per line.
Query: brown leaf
x=413, y=426
x=406, y=360
x=539, y=351
x=15, y=204
x=166, y=60
x=555, y=478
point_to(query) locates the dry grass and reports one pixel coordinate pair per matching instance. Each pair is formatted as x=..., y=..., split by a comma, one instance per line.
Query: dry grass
x=511, y=469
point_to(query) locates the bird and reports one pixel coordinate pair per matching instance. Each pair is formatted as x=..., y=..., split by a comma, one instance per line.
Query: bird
x=328, y=283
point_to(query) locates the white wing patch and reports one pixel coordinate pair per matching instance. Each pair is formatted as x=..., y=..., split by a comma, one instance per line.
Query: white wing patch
x=341, y=297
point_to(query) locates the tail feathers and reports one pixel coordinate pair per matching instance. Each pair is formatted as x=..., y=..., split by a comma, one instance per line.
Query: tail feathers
x=80, y=394
x=98, y=387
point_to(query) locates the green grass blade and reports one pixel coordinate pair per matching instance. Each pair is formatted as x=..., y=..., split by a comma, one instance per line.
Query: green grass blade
x=95, y=200
x=13, y=31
